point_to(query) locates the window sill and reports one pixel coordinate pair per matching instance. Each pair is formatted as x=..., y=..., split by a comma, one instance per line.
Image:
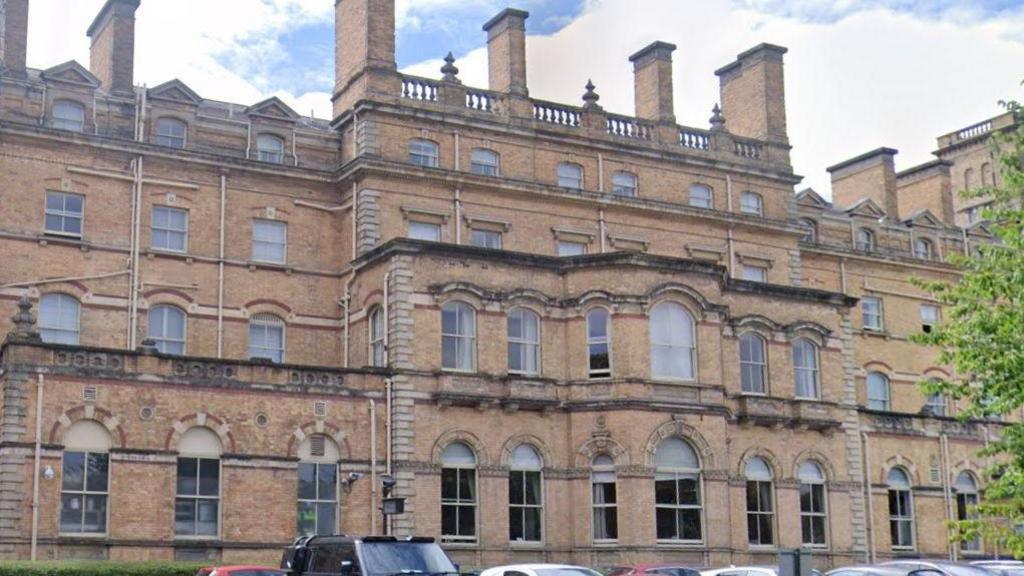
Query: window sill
x=460, y=544
x=605, y=543
x=526, y=544
x=668, y=380
x=62, y=235
x=187, y=540
x=457, y=371
x=82, y=536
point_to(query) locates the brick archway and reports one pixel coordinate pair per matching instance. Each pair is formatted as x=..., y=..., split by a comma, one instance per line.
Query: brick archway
x=202, y=420
x=308, y=429
x=105, y=418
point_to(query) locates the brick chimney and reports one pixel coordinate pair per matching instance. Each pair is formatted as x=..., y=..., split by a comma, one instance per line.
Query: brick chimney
x=13, y=36
x=927, y=187
x=506, y=51
x=754, y=94
x=871, y=175
x=652, y=82
x=112, y=54
x=364, y=50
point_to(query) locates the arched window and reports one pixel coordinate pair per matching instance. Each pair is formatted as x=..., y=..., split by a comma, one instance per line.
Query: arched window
x=570, y=175
x=935, y=404
x=59, y=319
x=485, y=162
x=170, y=132
x=197, y=501
x=68, y=115
x=624, y=184
x=966, y=506
x=673, y=350
x=988, y=177
x=923, y=248
x=760, y=503
x=700, y=196
x=523, y=342
x=458, y=493
x=865, y=239
x=811, y=227
x=604, y=499
x=678, y=502
x=266, y=337
x=753, y=364
x=813, y=505
x=270, y=148
x=525, y=495
x=752, y=203
x=167, y=329
x=969, y=183
x=424, y=153
x=317, y=501
x=805, y=369
x=85, y=479
x=901, y=510
x=458, y=337
x=878, y=391
x=378, y=356
x=599, y=342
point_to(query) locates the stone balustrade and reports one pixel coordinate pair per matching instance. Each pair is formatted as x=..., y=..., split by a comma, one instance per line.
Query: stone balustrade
x=557, y=114
x=627, y=127
x=422, y=89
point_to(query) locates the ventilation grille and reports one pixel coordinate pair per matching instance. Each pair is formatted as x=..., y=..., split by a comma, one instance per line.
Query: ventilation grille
x=317, y=445
x=89, y=393
x=320, y=409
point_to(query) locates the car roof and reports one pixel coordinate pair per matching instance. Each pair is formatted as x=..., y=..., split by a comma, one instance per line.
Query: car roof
x=661, y=565
x=240, y=567
x=872, y=568
x=535, y=566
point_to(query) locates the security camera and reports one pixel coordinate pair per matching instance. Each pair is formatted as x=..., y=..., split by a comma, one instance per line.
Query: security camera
x=354, y=476
x=388, y=484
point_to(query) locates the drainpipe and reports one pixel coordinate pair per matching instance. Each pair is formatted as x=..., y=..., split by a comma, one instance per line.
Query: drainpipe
x=220, y=268
x=947, y=492
x=373, y=467
x=866, y=479
x=389, y=391
x=387, y=327
x=355, y=237
x=133, y=297
x=458, y=154
x=39, y=451
x=344, y=302
x=842, y=275
x=603, y=229
x=600, y=173
x=458, y=216
x=730, y=242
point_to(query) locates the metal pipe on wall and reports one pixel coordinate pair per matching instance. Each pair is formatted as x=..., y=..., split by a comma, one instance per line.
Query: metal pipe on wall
x=373, y=467
x=38, y=458
x=220, y=267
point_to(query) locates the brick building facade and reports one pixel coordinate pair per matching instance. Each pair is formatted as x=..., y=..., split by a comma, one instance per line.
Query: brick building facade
x=568, y=334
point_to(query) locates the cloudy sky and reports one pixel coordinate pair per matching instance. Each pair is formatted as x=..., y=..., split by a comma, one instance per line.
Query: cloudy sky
x=860, y=73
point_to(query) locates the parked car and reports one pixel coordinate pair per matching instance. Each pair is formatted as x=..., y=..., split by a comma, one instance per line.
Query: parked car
x=368, y=556
x=240, y=571
x=869, y=570
x=1001, y=567
x=539, y=570
x=654, y=570
x=943, y=567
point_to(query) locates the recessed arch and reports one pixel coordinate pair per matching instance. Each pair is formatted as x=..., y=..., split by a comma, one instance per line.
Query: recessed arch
x=465, y=437
x=764, y=454
x=92, y=413
x=514, y=442
x=683, y=431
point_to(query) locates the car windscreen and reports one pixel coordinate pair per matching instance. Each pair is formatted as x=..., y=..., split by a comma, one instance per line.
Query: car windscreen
x=565, y=572
x=673, y=571
x=387, y=558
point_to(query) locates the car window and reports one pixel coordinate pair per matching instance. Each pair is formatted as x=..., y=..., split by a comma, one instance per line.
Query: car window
x=565, y=572
x=674, y=571
x=515, y=573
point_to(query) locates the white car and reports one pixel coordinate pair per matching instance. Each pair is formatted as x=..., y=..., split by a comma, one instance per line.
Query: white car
x=742, y=571
x=539, y=570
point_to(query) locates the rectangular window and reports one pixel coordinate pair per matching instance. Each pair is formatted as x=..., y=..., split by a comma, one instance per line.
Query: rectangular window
x=486, y=239
x=570, y=176
x=317, y=499
x=624, y=184
x=64, y=213
x=605, y=506
x=871, y=308
x=84, y=491
x=677, y=507
x=269, y=241
x=929, y=317
x=901, y=519
x=966, y=509
x=566, y=248
x=170, y=229
x=812, y=514
x=197, y=505
x=458, y=504
x=425, y=231
x=423, y=153
x=760, y=514
x=755, y=273
x=525, y=506
x=936, y=404
x=484, y=162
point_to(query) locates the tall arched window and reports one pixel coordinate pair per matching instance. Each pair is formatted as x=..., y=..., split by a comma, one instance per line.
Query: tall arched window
x=673, y=349
x=170, y=132
x=700, y=196
x=458, y=337
x=923, y=249
x=753, y=364
x=68, y=115
x=317, y=500
x=85, y=479
x=813, y=505
x=270, y=148
x=969, y=183
x=377, y=352
x=166, y=327
x=878, y=391
x=197, y=501
x=604, y=499
x=901, y=510
x=599, y=342
x=988, y=177
x=865, y=239
x=678, y=502
x=760, y=503
x=523, y=342
x=805, y=369
x=59, y=319
x=525, y=495
x=266, y=337
x=751, y=203
x=966, y=503
x=570, y=175
x=458, y=493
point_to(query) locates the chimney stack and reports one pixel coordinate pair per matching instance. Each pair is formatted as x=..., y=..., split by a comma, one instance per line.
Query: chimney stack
x=13, y=36
x=506, y=51
x=652, y=82
x=112, y=54
x=927, y=187
x=364, y=50
x=754, y=95
x=871, y=175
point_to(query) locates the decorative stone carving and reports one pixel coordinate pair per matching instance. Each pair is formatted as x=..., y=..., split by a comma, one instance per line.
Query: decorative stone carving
x=590, y=97
x=450, y=71
x=24, y=323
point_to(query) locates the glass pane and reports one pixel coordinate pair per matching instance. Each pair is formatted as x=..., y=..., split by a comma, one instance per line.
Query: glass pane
x=327, y=476
x=516, y=488
x=206, y=521
x=449, y=520
x=325, y=518
x=689, y=521
x=95, y=518
x=188, y=474
x=209, y=477
x=306, y=518
x=73, y=477
x=307, y=481
x=71, y=513
x=675, y=453
x=665, y=492
x=97, y=473
x=515, y=524
x=533, y=487
x=185, y=516
x=449, y=352
x=689, y=491
x=532, y=524
x=467, y=485
x=597, y=323
x=467, y=521
x=665, y=518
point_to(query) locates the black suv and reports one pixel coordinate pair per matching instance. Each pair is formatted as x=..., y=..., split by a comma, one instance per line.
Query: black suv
x=369, y=556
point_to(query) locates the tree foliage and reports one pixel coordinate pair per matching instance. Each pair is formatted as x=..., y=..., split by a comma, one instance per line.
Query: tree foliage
x=982, y=339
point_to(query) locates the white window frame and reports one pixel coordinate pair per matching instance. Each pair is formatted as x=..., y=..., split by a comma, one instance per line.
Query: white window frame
x=169, y=138
x=523, y=507
x=318, y=501
x=752, y=203
x=875, y=401
x=258, y=241
x=459, y=502
x=462, y=337
x=924, y=249
x=865, y=240
x=265, y=322
x=84, y=493
x=596, y=341
x=625, y=184
x=45, y=329
x=566, y=244
x=376, y=328
x=753, y=367
x=197, y=497
x=602, y=475
x=813, y=372
x=163, y=341
x=270, y=154
x=423, y=152
x=422, y=225
x=61, y=121
x=761, y=507
x=873, y=319
x=675, y=474
x=168, y=230
x=64, y=214
x=752, y=273
x=695, y=201
x=529, y=350
x=965, y=500
x=481, y=237
x=931, y=315
x=907, y=516
x=818, y=490
x=571, y=181
x=485, y=162
x=937, y=404
x=682, y=342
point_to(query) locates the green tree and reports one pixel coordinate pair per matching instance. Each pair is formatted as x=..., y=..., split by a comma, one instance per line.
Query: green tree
x=982, y=339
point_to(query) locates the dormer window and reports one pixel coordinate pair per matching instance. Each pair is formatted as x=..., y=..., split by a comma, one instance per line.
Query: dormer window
x=865, y=240
x=270, y=148
x=68, y=115
x=170, y=132
x=811, y=230
x=923, y=249
x=752, y=203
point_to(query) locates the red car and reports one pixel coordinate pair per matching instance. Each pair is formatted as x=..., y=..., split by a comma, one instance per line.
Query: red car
x=654, y=570
x=240, y=571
